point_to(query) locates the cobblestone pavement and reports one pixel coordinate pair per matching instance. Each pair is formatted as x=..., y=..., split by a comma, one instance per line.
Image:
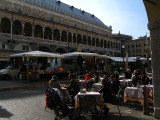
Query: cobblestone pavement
x=29, y=104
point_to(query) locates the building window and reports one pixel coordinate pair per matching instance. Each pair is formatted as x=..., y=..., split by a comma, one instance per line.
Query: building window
x=132, y=46
x=139, y=45
x=3, y=46
x=25, y=47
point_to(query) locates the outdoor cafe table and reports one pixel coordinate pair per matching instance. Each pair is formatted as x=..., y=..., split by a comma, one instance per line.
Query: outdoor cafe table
x=133, y=94
x=82, y=83
x=96, y=85
x=95, y=94
x=121, y=77
x=125, y=82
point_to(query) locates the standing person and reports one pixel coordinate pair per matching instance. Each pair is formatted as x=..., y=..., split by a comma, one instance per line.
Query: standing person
x=106, y=91
x=115, y=84
x=54, y=83
x=79, y=62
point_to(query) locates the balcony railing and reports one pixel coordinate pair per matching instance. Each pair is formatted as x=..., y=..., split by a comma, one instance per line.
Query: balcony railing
x=55, y=42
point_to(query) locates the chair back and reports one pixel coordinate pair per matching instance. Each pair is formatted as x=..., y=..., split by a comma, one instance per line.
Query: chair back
x=88, y=103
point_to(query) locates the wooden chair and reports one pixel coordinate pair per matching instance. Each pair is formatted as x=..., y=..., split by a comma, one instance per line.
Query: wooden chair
x=87, y=105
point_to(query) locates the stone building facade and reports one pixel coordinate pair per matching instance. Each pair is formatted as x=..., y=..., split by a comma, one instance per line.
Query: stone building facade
x=139, y=47
x=52, y=26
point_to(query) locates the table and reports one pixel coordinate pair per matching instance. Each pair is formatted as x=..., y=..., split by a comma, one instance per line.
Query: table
x=133, y=94
x=95, y=94
x=125, y=82
x=121, y=77
x=82, y=83
x=96, y=85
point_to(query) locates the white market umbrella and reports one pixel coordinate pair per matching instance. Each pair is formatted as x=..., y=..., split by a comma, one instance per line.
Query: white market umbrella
x=79, y=53
x=83, y=54
x=37, y=54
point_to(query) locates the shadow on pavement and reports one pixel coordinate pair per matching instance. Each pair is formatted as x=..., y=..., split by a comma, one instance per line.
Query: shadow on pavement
x=22, y=93
x=4, y=113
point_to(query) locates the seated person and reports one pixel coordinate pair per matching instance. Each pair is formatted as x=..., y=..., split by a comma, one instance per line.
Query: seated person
x=87, y=77
x=74, y=86
x=136, y=79
x=134, y=73
x=128, y=74
x=117, y=75
x=96, y=77
x=54, y=83
x=106, y=89
x=91, y=81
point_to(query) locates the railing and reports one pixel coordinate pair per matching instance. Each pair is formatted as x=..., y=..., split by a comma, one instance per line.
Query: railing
x=55, y=42
x=5, y=35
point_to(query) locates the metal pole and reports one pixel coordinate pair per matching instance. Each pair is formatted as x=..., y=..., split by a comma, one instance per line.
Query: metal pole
x=126, y=59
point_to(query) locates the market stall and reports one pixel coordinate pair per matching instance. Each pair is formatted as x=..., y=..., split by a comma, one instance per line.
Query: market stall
x=32, y=64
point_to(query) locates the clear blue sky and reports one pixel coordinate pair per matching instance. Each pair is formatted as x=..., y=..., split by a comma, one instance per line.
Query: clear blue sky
x=127, y=16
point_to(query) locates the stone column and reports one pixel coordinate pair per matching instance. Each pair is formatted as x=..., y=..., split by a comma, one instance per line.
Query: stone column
x=43, y=32
x=22, y=29
x=155, y=48
x=72, y=39
x=60, y=36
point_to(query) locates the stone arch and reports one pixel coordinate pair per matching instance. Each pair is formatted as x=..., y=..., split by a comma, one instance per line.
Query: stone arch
x=44, y=49
x=93, y=41
x=79, y=39
x=60, y=50
x=91, y=51
x=56, y=35
x=101, y=43
x=38, y=31
x=89, y=41
x=105, y=44
x=111, y=45
x=64, y=36
x=17, y=27
x=108, y=44
x=48, y=33
x=72, y=50
x=114, y=45
x=84, y=40
x=70, y=37
x=28, y=29
x=74, y=38
x=97, y=42
x=100, y=53
x=5, y=26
